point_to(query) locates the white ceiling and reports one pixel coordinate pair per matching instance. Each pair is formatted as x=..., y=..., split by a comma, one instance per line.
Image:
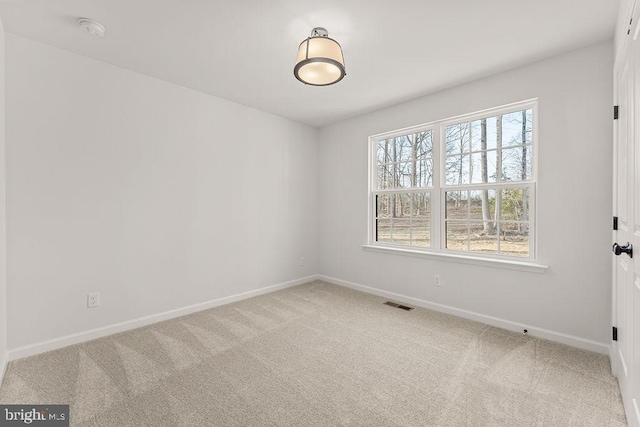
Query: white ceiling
x=244, y=50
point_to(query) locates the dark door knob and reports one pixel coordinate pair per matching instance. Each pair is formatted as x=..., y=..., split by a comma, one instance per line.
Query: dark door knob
x=626, y=249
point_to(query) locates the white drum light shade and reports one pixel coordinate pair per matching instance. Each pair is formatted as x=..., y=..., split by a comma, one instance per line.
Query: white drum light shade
x=320, y=61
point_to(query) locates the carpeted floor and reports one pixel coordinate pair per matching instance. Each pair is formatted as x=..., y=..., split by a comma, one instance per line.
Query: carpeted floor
x=320, y=355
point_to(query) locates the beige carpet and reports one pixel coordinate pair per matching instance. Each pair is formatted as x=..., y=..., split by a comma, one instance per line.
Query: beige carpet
x=319, y=354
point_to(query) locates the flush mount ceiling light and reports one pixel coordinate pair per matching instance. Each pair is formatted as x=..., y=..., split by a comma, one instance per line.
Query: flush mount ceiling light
x=320, y=61
x=91, y=26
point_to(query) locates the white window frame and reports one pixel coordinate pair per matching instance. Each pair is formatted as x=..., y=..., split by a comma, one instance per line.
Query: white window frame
x=438, y=189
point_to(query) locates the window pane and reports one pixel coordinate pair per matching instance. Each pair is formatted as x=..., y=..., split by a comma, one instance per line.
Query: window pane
x=457, y=169
x=516, y=163
x=514, y=239
x=457, y=206
x=480, y=240
x=383, y=151
x=424, y=143
x=401, y=231
x=403, y=150
x=385, y=177
x=421, y=206
x=421, y=233
x=529, y=134
x=383, y=205
x=492, y=132
x=457, y=235
x=476, y=136
x=515, y=204
x=483, y=167
x=457, y=138
x=482, y=205
x=403, y=175
x=484, y=135
x=516, y=128
x=424, y=173
x=383, y=230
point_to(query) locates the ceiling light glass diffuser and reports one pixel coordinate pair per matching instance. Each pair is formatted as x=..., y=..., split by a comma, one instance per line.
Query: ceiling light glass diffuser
x=320, y=61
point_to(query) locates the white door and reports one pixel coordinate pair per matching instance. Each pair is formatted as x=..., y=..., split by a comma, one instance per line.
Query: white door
x=626, y=283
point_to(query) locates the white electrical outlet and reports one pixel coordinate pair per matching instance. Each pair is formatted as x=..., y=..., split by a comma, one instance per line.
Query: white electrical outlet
x=301, y=261
x=436, y=280
x=93, y=300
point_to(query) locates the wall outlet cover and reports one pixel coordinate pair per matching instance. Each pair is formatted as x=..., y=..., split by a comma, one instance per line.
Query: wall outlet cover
x=93, y=300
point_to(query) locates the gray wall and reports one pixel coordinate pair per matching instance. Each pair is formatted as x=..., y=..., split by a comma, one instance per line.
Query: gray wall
x=573, y=296
x=156, y=196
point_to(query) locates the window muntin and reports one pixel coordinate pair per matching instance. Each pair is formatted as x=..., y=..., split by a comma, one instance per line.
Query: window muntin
x=404, y=173
x=404, y=218
x=489, y=221
x=472, y=180
x=490, y=149
x=405, y=161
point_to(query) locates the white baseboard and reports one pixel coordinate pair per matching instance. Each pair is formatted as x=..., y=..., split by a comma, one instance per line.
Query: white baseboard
x=573, y=341
x=32, y=349
x=80, y=337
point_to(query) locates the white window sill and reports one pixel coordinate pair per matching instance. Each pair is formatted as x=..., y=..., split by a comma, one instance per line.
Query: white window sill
x=459, y=258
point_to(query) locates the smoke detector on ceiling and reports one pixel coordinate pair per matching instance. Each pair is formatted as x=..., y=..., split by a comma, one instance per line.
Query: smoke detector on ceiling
x=91, y=26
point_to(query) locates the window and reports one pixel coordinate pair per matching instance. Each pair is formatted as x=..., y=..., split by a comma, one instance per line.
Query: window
x=464, y=185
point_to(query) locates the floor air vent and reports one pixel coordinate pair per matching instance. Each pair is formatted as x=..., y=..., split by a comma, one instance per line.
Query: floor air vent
x=396, y=305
